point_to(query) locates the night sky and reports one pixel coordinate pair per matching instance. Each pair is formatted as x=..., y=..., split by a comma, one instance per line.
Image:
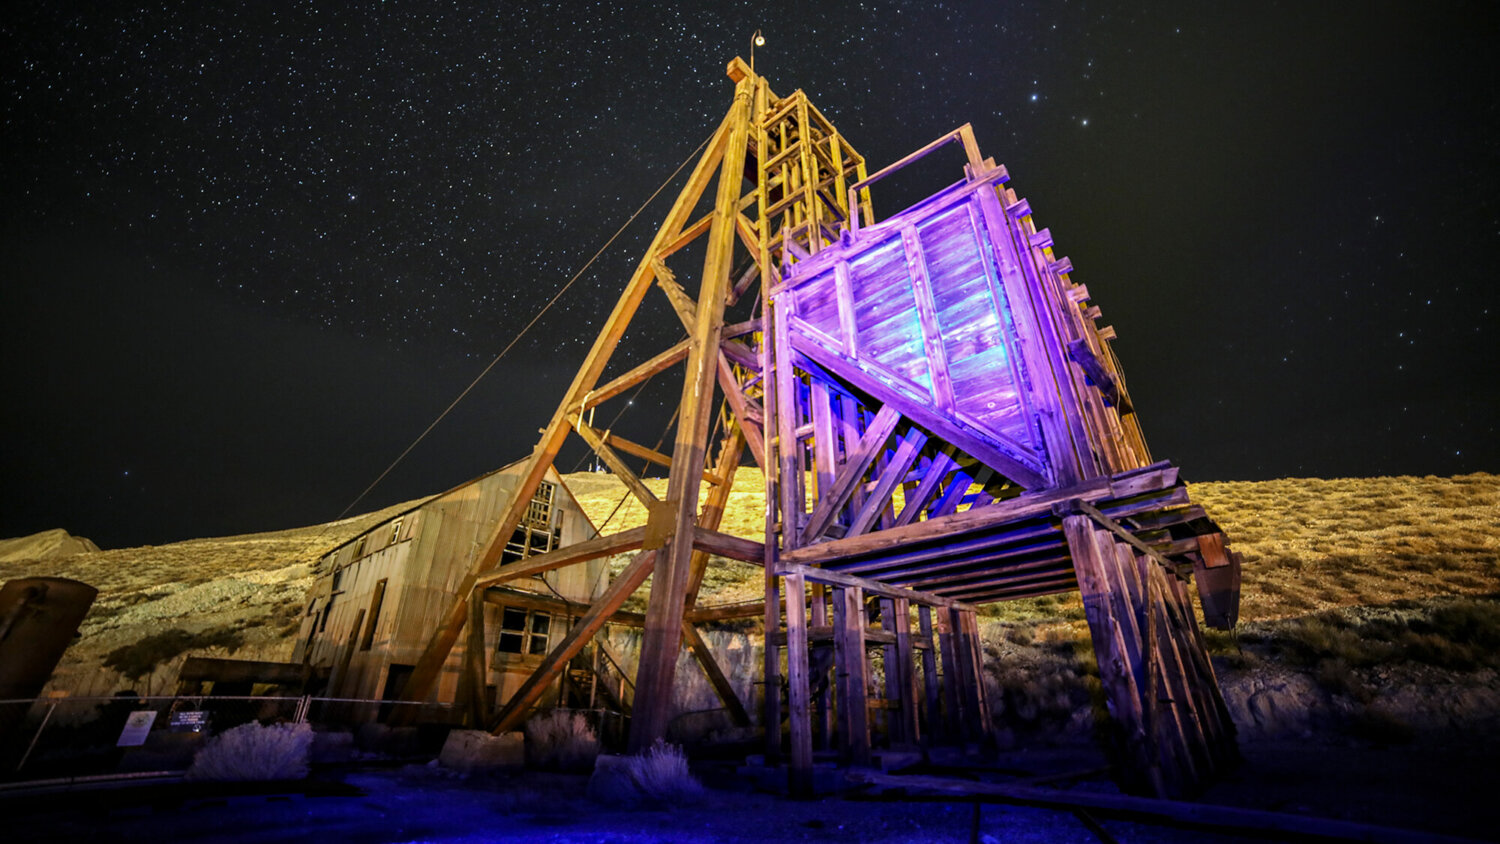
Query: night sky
x=247, y=255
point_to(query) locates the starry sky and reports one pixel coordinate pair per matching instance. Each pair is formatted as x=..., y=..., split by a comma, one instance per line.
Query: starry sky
x=247, y=254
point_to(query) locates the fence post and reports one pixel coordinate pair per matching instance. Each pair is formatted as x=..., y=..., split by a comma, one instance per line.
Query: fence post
x=30, y=747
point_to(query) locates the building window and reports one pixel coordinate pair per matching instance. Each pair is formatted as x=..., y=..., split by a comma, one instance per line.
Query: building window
x=540, y=529
x=524, y=631
x=395, y=532
x=323, y=622
x=359, y=548
x=375, y=602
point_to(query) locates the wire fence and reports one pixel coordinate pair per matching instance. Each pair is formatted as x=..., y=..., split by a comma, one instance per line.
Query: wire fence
x=90, y=736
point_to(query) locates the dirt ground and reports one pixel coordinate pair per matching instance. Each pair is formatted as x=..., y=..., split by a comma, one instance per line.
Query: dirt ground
x=1446, y=791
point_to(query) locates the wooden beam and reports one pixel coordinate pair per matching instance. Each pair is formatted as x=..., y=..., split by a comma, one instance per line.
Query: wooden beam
x=514, y=712
x=578, y=552
x=655, y=366
x=851, y=473
x=874, y=587
x=725, y=545
x=476, y=665
x=879, y=497
x=715, y=675
x=616, y=465
x=849, y=644
x=799, y=696
x=507, y=597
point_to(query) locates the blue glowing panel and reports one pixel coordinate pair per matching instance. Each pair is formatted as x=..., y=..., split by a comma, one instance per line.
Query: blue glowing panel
x=915, y=304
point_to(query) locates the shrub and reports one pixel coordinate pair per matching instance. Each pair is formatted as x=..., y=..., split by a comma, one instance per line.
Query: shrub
x=660, y=776
x=253, y=752
x=561, y=739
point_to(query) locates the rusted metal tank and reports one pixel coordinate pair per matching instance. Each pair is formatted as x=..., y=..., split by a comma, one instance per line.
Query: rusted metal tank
x=38, y=617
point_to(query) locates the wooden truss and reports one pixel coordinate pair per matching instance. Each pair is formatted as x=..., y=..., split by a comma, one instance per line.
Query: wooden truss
x=798, y=169
x=940, y=424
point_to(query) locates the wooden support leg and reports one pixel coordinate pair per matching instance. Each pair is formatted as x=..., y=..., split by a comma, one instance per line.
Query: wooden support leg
x=952, y=715
x=967, y=676
x=772, y=672
x=476, y=662
x=892, y=683
x=984, y=719
x=906, y=679
x=854, y=702
x=800, y=770
x=933, y=706
x=1091, y=554
x=823, y=702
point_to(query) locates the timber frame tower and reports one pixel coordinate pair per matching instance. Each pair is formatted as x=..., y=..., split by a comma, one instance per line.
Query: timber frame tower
x=939, y=423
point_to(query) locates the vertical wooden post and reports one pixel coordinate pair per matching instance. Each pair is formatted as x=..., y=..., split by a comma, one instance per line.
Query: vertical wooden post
x=1091, y=553
x=476, y=661
x=664, y=610
x=952, y=715
x=823, y=705
x=799, y=771
x=892, y=675
x=906, y=679
x=966, y=675
x=854, y=701
x=934, y=709
x=983, y=718
x=771, y=705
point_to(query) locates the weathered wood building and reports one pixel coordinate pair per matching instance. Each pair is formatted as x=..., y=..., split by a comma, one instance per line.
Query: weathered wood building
x=373, y=604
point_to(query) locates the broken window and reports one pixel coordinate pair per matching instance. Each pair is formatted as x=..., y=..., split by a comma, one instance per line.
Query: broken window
x=540, y=528
x=524, y=632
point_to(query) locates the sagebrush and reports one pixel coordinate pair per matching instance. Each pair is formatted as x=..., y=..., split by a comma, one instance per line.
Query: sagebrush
x=253, y=752
x=561, y=739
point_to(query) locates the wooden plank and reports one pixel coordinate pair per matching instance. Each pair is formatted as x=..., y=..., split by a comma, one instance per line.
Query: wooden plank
x=878, y=498
x=821, y=662
x=726, y=466
x=850, y=644
x=892, y=678
x=771, y=672
x=721, y=685
x=851, y=473
x=1026, y=506
x=338, y=680
x=932, y=335
x=515, y=710
x=799, y=707
x=825, y=437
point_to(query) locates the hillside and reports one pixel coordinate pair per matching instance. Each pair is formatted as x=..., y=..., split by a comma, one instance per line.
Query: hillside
x=1311, y=546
